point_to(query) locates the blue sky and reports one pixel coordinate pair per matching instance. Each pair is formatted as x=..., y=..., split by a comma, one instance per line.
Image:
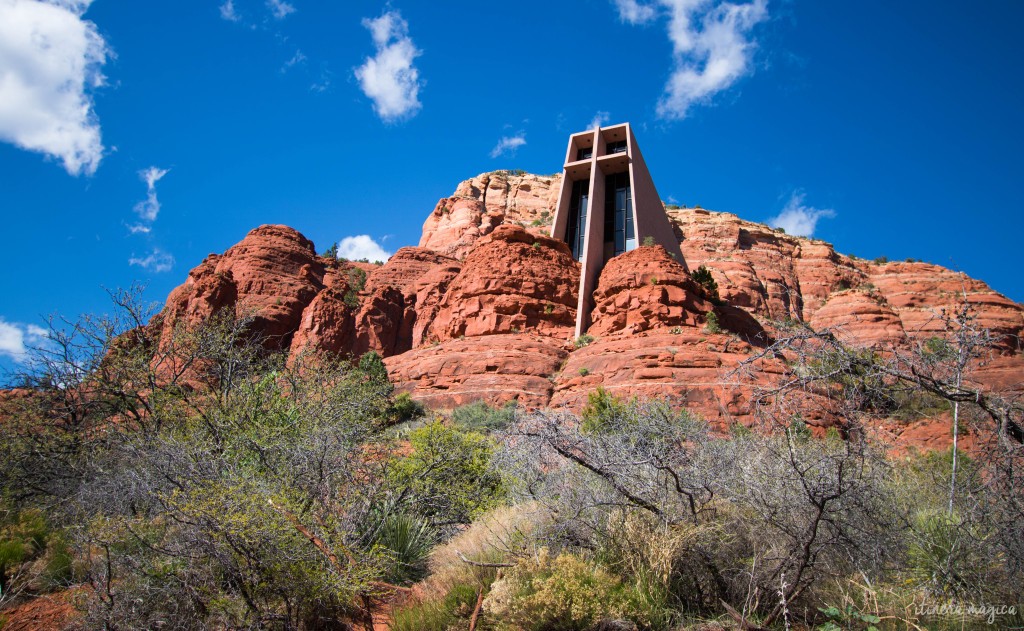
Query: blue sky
x=137, y=137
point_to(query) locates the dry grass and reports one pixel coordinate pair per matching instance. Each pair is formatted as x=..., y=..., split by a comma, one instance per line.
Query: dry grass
x=497, y=537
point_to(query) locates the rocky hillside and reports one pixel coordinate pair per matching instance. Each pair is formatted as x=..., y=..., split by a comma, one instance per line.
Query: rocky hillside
x=484, y=307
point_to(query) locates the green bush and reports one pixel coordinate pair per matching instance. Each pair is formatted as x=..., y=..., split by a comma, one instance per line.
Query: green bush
x=372, y=365
x=483, y=418
x=408, y=540
x=331, y=252
x=702, y=276
x=351, y=299
x=601, y=410
x=583, y=340
x=649, y=241
x=711, y=324
x=562, y=593
x=24, y=536
x=356, y=279
x=946, y=556
x=405, y=408
x=438, y=615
x=448, y=478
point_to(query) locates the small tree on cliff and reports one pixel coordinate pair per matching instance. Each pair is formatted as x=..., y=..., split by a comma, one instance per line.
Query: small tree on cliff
x=702, y=276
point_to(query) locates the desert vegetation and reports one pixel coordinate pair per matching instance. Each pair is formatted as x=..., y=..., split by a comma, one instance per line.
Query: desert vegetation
x=201, y=481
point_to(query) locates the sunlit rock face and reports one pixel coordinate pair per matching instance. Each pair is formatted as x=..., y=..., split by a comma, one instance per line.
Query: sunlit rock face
x=484, y=308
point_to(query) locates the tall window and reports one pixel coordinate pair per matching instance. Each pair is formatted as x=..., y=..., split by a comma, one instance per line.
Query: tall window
x=585, y=153
x=577, y=226
x=618, y=214
x=617, y=147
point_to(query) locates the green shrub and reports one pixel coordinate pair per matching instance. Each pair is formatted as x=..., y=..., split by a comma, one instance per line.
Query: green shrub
x=408, y=540
x=405, y=408
x=702, y=276
x=848, y=618
x=739, y=430
x=24, y=536
x=351, y=299
x=60, y=569
x=481, y=417
x=946, y=556
x=438, y=615
x=356, y=279
x=601, y=410
x=372, y=365
x=799, y=430
x=584, y=371
x=711, y=324
x=649, y=241
x=448, y=477
x=583, y=340
x=425, y=616
x=563, y=593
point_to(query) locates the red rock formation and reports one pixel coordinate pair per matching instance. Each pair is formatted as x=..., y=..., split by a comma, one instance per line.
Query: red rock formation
x=496, y=324
x=381, y=325
x=919, y=292
x=511, y=282
x=327, y=324
x=645, y=289
x=404, y=269
x=495, y=368
x=862, y=317
x=683, y=364
x=483, y=203
x=270, y=275
x=769, y=273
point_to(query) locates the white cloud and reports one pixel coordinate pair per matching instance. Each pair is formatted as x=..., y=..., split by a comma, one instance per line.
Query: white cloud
x=15, y=339
x=50, y=60
x=298, y=58
x=600, y=120
x=710, y=42
x=12, y=341
x=156, y=261
x=389, y=78
x=280, y=9
x=635, y=13
x=508, y=144
x=362, y=247
x=798, y=219
x=321, y=86
x=138, y=228
x=149, y=208
x=227, y=11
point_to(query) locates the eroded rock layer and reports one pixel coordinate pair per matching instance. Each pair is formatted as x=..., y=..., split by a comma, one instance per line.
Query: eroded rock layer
x=485, y=307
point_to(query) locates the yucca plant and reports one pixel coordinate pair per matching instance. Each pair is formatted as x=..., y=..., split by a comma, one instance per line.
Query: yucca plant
x=409, y=539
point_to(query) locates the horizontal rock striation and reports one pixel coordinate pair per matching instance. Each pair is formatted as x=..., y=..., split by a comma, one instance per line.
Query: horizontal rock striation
x=485, y=307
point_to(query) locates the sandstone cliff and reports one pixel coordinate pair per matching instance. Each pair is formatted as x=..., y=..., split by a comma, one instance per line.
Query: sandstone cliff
x=484, y=307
